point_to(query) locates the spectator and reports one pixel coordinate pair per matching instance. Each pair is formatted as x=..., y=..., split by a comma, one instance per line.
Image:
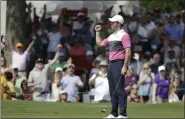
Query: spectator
x=26, y=91
x=60, y=62
x=171, y=62
x=136, y=64
x=9, y=89
x=173, y=93
x=77, y=49
x=161, y=86
x=38, y=78
x=4, y=67
x=56, y=84
x=133, y=97
x=96, y=65
x=100, y=82
x=146, y=78
x=19, y=57
x=178, y=82
x=173, y=31
x=130, y=79
x=54, y=40
x=143, y=33
x=18, y=81
x=42, y=41
x=71, y=84
x=155, y=62
x=63, y=96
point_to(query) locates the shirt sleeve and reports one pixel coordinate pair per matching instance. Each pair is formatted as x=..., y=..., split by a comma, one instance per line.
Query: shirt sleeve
x=30, y=78
x=79, y=82
x=126, y=41
x=105, y=41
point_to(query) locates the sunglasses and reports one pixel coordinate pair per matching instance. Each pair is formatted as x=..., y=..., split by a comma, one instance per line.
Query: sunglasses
x=19, y=47
x=146, y=68
x=41, y=62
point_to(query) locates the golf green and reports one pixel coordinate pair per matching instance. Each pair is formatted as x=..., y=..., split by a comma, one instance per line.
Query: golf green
x=30, y=109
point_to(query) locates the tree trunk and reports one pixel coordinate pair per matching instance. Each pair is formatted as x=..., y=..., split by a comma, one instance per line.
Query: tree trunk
x=15, y=25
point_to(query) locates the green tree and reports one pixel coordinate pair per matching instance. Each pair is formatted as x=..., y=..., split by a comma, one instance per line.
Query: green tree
x=152, y=4
x=15, y=25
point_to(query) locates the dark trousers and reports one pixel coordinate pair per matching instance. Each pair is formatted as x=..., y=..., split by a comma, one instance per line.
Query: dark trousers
x=120, y=97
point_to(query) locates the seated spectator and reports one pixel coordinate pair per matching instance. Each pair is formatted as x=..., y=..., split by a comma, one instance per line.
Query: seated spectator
x=56, y=84
x=96, y=65
x=26, y=91
x=38, y=78
x=71, y=84
x=135, y=63
x=4, y=67
x=146, y=78
x=161, y=86
x=9, y=89
x=63, y=96
x=130, y=79
x=19, y=57
x=176, y=78
x=133, y=97
x=18, y=80
x=100, y=82
x=173, y=93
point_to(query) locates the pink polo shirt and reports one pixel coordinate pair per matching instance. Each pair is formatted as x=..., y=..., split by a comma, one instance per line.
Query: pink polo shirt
x=117, y=42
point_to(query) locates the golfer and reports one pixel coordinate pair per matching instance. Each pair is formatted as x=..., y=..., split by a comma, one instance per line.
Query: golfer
x=119, y=55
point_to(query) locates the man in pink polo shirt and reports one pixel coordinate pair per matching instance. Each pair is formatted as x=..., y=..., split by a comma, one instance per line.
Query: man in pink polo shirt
x=119, y=55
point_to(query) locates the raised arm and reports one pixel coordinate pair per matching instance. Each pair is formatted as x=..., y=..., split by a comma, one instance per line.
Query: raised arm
x=31, y=44
x=56, y=55
x=98, y=38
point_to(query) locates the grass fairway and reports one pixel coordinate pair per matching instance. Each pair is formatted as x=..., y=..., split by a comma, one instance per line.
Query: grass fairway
x=29, y=109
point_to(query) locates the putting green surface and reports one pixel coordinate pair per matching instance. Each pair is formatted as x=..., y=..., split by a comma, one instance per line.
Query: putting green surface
x=30, y=109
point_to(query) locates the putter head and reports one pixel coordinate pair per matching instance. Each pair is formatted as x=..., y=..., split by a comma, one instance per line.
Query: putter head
x=104, y=110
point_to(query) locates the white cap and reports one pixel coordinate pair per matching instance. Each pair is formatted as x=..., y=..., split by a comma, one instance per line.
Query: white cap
x=81, y=14
x=58, y=69
x=89, y=53
x=98, y=59
x=117, y=18
x=15, y=67
x=161, y=68
x=103, y=63
x=70, y=65
x=62, y=92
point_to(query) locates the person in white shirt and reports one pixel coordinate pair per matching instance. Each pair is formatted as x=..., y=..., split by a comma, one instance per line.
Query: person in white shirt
x=54, y=40
x=19, y=57
x=71, y=84
x=100, y=81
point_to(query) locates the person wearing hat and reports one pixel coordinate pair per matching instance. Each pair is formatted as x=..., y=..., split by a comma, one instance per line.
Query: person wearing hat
x=161, y=86
x=38, y=77
x=19, y=56
x=119, y=55
x=101, y=84
x=71, y=84
x=56, y=83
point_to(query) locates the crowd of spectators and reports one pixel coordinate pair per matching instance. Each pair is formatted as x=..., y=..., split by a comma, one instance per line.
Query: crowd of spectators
x=62, y=62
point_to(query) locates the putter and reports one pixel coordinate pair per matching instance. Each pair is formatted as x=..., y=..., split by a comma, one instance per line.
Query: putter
x=105, y=109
